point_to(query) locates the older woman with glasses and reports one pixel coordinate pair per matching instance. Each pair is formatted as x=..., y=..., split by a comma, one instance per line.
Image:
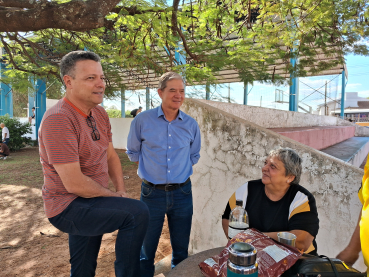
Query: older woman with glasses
x=277, y=203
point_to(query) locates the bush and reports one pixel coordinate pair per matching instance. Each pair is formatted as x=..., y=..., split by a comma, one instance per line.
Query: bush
x=113, y=113
x=128, y=114
x=17, y=131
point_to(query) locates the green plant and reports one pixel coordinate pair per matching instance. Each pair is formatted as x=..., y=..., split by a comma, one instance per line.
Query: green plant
x=128, y=114
x=17, y=132
x=113, y=113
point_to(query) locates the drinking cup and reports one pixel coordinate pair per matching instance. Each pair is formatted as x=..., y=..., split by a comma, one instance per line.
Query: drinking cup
x=287, y=238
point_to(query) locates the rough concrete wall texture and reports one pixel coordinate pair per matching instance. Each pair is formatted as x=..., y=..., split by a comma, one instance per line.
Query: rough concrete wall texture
x=272, y=118
x=234, y=150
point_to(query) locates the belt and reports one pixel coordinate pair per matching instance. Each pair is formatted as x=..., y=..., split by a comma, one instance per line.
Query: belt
x=167, y=187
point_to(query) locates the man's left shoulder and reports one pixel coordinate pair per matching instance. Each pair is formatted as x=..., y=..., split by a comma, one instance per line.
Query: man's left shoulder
x=188, y=118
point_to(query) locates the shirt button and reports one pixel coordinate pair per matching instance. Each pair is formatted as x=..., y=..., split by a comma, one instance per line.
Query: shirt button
x=170, y=147
x=168, y=170
x=170, y=123
x=170, y=135
x=168, y=159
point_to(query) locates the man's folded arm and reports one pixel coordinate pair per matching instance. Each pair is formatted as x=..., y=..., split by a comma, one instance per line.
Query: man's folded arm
x=79, y=184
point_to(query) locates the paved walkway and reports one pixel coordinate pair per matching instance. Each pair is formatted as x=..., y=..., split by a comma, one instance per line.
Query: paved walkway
x=347, y=149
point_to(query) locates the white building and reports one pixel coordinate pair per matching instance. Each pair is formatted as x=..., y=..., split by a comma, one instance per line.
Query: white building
x=352, y=102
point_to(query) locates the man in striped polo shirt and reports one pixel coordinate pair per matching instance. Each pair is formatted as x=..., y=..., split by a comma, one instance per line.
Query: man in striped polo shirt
x=78, y=158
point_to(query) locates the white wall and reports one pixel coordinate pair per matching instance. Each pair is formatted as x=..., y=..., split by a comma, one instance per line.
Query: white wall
x=120, y=129
x=233, y=152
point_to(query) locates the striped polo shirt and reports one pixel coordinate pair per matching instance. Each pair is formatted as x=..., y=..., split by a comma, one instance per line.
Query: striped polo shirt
x=65, y=137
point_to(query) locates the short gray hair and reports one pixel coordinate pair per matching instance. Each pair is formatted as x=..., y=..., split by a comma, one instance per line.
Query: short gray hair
x=163, y=80
x=291, y=161
x=68, y=62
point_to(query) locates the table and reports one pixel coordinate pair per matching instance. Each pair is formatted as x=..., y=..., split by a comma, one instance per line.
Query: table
x=189, y=267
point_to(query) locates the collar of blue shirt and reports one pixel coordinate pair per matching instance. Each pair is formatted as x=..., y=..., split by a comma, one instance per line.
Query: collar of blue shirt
x=161, y=113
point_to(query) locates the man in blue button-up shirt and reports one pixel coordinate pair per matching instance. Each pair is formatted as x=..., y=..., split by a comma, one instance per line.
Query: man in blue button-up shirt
x=165, y=142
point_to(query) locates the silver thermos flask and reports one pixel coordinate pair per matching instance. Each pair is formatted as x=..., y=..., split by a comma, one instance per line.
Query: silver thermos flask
x=242, y=260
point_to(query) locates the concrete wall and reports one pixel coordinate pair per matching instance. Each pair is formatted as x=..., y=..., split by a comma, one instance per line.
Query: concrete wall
x=120, y=129
x=233, y=151
x=272, y=118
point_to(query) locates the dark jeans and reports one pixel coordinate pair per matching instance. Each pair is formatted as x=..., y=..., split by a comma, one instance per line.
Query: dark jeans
x=2, y=154
x=177, y=204
x=87, y=219
x=6, y=141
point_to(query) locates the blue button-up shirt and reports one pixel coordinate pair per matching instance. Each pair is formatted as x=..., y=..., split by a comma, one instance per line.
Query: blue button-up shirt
x=165, y=150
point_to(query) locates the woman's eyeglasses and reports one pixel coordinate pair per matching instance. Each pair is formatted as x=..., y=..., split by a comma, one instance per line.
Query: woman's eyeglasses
x=92, y=123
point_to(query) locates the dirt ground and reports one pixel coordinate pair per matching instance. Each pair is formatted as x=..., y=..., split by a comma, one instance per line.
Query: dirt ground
x=29, y=244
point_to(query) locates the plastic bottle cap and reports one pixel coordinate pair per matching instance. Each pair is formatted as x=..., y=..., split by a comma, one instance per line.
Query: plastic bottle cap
x=239, y=202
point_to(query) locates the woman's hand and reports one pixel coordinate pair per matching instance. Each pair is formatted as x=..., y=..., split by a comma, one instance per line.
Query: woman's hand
x=303, y=238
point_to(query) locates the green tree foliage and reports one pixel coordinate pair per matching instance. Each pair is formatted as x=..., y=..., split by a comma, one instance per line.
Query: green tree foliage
x=257, y=38
x=113, y=112
x=128, y=114
x=17, y=132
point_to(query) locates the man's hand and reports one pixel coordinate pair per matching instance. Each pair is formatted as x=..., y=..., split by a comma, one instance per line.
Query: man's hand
x=351, y=253
x=348, y=255
x=123, y=193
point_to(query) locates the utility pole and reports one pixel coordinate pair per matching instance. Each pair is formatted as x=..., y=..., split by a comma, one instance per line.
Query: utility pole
x=147, y=98
x=325, y=100
x=229, y=92
x=207, y=92
x=122, y=103
x=245, y=92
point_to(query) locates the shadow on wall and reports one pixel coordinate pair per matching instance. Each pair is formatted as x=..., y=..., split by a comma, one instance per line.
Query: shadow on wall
x=233, y=151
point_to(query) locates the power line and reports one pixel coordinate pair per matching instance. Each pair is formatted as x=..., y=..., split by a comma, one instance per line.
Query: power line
x=318, y=89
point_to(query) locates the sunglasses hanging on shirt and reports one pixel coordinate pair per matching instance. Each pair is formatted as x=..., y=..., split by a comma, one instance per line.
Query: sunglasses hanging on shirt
x=92, y=123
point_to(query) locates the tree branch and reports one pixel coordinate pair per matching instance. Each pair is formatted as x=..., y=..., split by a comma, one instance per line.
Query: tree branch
x=188, y=51
x=134, y=10
x=23, y=4
x=76, y=15
x=174, y=17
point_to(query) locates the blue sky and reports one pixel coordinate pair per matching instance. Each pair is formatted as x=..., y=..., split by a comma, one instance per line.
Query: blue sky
x=358, y=78
x=264, y=95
